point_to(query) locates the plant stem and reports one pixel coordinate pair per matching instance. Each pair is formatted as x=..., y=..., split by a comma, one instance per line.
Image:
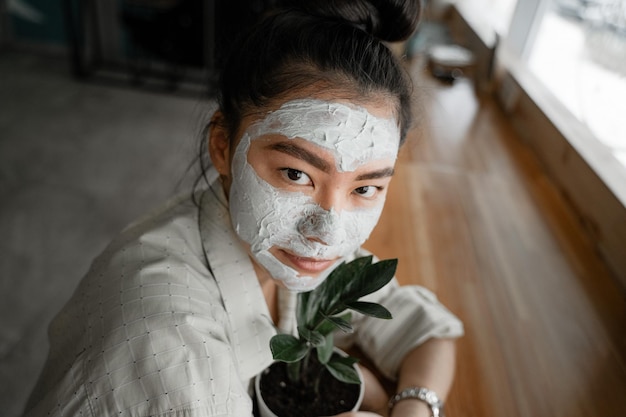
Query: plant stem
x=305, y=366
x=318, y=380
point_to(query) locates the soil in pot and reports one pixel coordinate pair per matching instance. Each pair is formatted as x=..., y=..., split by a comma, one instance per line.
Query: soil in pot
x=286, y=398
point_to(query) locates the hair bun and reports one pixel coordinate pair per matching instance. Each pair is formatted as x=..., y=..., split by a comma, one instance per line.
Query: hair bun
x=388, y=20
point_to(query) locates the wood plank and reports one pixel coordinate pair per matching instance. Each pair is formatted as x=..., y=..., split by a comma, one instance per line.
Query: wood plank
x=472, y=216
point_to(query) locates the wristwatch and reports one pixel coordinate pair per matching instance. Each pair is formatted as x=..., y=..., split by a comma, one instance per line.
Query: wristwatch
x=422, y=394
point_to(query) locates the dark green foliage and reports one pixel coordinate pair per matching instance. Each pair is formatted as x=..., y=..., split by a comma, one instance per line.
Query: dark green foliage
x=321, y=312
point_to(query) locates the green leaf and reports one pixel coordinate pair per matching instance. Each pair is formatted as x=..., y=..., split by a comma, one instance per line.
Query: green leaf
x=370, y=309
x=372, y=278
x=328, y=326
x=325, y=351
x=319, y=314
x=340, y=323
x=287, y=348
x=309, y=306
x=335, y=286
x=313, y=337
x=343, y=369
x=302, y=309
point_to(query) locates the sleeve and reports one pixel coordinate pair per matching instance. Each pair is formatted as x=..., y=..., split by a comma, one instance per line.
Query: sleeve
x=156, y=338
x=164, y=333
x=417, y=317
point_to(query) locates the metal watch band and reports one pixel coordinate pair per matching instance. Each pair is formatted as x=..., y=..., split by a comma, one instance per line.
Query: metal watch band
x=422, y=394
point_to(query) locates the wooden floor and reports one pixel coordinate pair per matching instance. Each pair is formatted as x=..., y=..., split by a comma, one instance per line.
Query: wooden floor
x=472, y=216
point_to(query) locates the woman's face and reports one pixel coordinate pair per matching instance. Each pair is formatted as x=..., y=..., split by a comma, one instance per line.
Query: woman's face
x=307, y=183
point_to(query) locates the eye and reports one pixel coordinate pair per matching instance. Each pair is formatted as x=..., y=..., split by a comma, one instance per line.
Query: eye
x=367, y=191
x=295, y=176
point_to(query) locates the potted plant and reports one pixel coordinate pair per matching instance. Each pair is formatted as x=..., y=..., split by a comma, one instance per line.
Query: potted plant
x=310, y=377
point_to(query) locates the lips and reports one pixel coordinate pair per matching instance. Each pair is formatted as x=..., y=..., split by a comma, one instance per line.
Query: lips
x=307, y=265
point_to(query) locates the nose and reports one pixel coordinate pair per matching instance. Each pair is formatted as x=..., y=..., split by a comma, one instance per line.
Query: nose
x=322, y=226
x=332, y=198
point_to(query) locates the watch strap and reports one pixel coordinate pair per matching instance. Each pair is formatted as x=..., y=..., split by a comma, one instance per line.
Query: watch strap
x=422, y=394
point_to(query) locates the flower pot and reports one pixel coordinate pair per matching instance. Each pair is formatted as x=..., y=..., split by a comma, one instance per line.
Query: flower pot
x=277, y=396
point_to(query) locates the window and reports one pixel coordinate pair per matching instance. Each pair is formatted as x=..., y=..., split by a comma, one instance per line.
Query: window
x=579, y=53
x=497, y=12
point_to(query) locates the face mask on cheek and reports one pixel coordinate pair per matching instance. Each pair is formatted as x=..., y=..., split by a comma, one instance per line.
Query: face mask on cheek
x=266, y=217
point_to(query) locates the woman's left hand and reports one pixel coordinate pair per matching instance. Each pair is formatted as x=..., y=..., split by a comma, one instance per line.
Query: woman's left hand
x=375, y=397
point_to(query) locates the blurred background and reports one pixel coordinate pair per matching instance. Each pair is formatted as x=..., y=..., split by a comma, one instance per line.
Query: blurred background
x=102, y=104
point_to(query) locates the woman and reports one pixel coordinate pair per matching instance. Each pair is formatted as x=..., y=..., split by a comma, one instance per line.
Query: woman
x=175, y=317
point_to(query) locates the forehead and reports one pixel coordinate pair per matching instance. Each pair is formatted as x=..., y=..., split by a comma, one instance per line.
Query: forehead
x=351, y=133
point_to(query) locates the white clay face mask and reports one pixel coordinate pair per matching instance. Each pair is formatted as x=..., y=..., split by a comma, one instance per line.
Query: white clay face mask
x=266, y=217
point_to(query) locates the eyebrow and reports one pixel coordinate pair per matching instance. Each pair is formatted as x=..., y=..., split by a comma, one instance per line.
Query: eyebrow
x=381, y=173
x=296, y=151
x=301, y=153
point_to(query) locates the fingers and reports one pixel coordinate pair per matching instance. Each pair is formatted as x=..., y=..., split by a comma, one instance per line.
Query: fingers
x=375, y=397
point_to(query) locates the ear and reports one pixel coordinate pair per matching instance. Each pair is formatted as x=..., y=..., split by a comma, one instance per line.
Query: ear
x=219, y=144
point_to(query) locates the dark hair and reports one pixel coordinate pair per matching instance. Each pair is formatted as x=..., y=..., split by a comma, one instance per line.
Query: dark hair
x=304, y=42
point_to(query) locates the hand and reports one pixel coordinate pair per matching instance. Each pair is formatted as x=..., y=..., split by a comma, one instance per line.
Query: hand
x=375, y=397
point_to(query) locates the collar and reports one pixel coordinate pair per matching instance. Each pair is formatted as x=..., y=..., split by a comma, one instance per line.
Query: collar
x=251, y=326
